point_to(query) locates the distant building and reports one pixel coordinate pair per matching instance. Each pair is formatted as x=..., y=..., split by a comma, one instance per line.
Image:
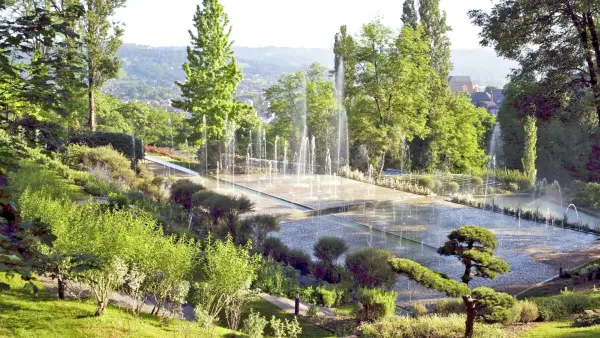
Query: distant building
x=484, y=99
x=461, y=84
x=498, y=96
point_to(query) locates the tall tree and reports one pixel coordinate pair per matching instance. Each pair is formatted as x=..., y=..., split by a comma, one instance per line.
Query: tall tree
x=212, y=74
x=529, y=151
x=102, y=39
x=434, y=23
x=557, y=41
x=409, y=14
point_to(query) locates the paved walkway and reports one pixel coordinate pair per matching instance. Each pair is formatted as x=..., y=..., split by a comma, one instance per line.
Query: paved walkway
x=289, y=305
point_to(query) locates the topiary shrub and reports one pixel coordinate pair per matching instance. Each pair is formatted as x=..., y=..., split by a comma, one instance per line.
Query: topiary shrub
x=476, y=180
x=448, y=306
x=182, y=191
x=370, y=269
x=300, y=260
x=275, y=248
x=375, y=304
x=529, y=311
x=453, y=187
x=122, y=143
x=329, y=249
x=499, y=307
x=427, y=182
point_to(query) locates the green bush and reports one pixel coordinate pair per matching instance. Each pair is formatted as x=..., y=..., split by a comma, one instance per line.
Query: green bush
x=507, y=176
x=326, y=297
x=529, y=311
x=499, y=307
x=285, y=328
x=98, y=159
x=328, y=272
x=513, y=187
x=476, y=180
x=182, y=192
x=32, y=177
x=120, y=142
x=118, y=201
x=448, y=306
x=427, y=182
x=453, y=187
x=375, y=304
x=300, y=260
x=586, y=194
x=433, y=326
x=419, y=310
x=276, y=279
x=370, y=269
x=275, y=248
x=566, y=304
x=254, y=325
x=329, y=249
x=98, y=187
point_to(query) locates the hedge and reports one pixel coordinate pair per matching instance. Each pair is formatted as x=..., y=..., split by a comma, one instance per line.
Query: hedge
x=120, y=142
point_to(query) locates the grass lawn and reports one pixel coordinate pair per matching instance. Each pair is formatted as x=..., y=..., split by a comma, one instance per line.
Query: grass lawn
x=345, y=310
x=25, y=315
x=562, y=329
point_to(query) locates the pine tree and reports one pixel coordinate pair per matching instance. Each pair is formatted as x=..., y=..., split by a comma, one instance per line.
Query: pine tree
x=212, y=73
x=409, y=14
x=102, y=39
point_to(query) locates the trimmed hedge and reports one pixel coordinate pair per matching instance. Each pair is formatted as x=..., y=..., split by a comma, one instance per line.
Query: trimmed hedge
x=120, y=142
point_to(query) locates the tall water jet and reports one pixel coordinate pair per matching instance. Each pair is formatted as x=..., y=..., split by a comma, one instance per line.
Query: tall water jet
x=285, y=160
x=312, y=156
x=275, y=154
x=343, y=152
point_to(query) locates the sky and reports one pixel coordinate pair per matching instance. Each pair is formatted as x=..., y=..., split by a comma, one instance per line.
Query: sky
x=283, y=23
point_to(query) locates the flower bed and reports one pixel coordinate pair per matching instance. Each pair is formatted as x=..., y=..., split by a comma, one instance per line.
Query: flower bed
x=391, y=182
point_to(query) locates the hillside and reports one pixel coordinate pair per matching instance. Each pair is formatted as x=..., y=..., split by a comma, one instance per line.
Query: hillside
x=149, y=73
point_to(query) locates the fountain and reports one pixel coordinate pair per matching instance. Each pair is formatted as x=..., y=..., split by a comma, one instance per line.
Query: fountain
x=206, y=144
x=555, y=183
x=285, y=160
x=574, y=207
x=343, y=150
x=275, y=154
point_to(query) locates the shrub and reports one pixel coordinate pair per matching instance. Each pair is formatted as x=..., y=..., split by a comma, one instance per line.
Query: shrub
x=285, y=329
x=587, y=319
x=428, y=326
x=476, y=180
x=565, y=304
x=453, y=187
x=275, y=248
x=31, y=177
x=182, y=191
x=370, y=269
x=326, y=297
x=529, y=311
x=419, y=310
x=329, y=249
x=427, y=182
x=299, y=260
x=375, y=304
x=254, y=325
x=96, y=186
x=551, y=308
x=118, y=201
x=118, y=167
x=513, y=187
x=120, y=142
x=327, y=272
x=276, y=279
x=448, y=306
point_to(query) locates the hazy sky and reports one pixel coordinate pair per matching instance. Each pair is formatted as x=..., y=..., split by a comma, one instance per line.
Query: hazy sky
x=283, y=23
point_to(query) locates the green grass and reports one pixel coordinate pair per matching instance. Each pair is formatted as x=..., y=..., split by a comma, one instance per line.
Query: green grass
x=562, y=329
x=346, y=310
x=268, y=310
x=25, y=315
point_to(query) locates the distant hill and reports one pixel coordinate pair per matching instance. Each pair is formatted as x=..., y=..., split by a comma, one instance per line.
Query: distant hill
x=148, y=73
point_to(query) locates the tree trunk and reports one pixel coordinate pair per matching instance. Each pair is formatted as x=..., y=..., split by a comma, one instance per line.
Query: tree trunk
x=61, y=288
x=101, y=308
x=596, y=47
x=470, y=322
x=92, y=107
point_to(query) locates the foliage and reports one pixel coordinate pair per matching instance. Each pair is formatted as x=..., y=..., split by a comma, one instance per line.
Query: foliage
x=529, y=151
x=84, y=157
x=427, y=182
x=254, y=325
x=565, y=304
x=529, y=311
x=428, y=278
x=419, y=310
x=212, y=75
x=299, y=260
x=474, y=247
x=285, y=328
x=453, y=187
x=497, y=305
x=159, y=150
x=587, y=319
x=276, y=279
x=329, y=249
x=448, y=306
x=182, y=191
x=127, y=145
x=32, y=177
x=586, y=194
x=370, y=269
x=510, y=177
x=427, y=326
x=258, y=227
x=227, y=272
x=375, y=304
x=334, y=295
x=275, y=248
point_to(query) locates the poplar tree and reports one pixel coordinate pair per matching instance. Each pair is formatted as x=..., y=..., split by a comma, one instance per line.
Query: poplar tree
x=102, y=40
x=212, y=73
x=529, y=151
x=409, y=14
x=434, y=23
